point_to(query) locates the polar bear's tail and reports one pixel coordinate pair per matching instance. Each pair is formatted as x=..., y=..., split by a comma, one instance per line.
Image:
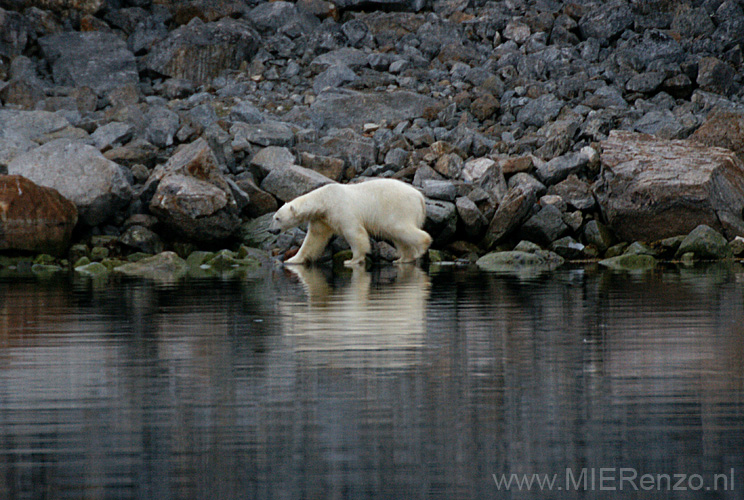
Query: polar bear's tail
x=421, y=218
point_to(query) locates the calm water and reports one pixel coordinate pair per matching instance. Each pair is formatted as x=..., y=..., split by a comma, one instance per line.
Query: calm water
x=385, y=385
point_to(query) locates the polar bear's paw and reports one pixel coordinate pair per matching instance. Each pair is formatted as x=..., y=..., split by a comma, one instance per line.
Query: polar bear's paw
x=355, y=262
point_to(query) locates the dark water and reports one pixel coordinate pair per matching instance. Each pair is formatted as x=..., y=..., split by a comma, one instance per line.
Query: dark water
x=389, y=385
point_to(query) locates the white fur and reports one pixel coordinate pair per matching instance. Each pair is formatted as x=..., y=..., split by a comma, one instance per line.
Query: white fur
x=384, y=208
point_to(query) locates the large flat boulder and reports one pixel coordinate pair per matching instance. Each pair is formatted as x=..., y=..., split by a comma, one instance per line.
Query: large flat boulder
x=34, y=218
x=357, y=108
x=97, y=186
x=650, y=189
x=190, y=195
x=92, y=59
x=200, y=51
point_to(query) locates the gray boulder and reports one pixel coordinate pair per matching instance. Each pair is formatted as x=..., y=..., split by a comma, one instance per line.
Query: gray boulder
x=560, y=168
x=471, y=218
x=97, y=186
x=268, y=133
x=335, y=76
x=270, y=158
x=92, y=59
x=291, y=181
x=538, y=112
x=606, y=21
x=512, y=211
x=545, y=226
x=357, y=108
x=347, y=56
x=706, y=243
x=650, y=189
x=200, y=51
x=575, y=192
x=190, y=196
x=661, y=123
x=21, y=129
x=282, y=17
x=439, y=190
x=162, y=125
x=441, y=220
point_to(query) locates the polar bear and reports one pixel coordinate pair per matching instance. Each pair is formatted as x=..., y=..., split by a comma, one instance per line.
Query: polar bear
x=385, y=208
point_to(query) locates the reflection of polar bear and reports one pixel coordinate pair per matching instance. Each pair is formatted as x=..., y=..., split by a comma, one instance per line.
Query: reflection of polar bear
x=384, y=208
x=373, y=319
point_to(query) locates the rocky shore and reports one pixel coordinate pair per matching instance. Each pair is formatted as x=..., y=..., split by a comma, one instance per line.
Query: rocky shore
x=539, y=130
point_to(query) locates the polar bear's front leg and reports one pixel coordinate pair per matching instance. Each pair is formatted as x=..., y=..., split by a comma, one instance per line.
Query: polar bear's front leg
x=358, y=239
x=318, y=234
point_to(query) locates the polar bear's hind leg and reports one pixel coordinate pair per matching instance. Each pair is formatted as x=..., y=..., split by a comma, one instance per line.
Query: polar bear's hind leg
x=358, y=239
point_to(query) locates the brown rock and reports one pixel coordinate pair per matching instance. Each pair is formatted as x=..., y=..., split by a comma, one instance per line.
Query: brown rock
x=191, y=196
x=651, y=189
x=260, y=202
x=34, y=218
x=333, y=168
x=723, y=129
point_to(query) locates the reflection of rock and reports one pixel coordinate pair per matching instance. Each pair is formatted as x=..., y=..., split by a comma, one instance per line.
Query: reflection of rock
x=357, y=323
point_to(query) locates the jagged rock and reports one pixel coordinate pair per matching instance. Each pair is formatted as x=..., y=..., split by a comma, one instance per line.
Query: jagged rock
x=347, y=56
x=383, y=5
x=335, y=76
x=34, y=218
x=512, y=211
x=271, y=158
x=292, y=181
x=97, y=186
x=568, y=248
x=282, y=17
x=333, y=168
x=560, y=168
x=357, y=108
x=260, y=202
x=650, y=189
x=538, y=112
x=441, y=220
x=597, y=235
x=472, y=219
x=545, y=226
x=357, y=151
x=142, y=239
x=716, y=76
x=162, y=125
x=92, y=59
x=267, y=133
x=439, y=190
x=723, y=129
x=575, y=193
x=661, y=123
x=189, y=194
x=110, y=135
x=606, y=21
x=706, y=243
x=200, y=51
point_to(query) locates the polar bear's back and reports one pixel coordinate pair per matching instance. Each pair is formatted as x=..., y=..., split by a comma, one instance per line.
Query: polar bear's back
x=379, y=203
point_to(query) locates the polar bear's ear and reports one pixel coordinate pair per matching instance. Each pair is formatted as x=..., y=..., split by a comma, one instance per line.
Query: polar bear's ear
x=292, y=210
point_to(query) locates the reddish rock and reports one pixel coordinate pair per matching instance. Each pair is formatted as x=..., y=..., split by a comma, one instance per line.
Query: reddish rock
x=651, y=189
x=34, y=218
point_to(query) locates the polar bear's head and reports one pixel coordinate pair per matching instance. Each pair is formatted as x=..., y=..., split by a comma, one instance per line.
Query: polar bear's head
x=285, y=218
